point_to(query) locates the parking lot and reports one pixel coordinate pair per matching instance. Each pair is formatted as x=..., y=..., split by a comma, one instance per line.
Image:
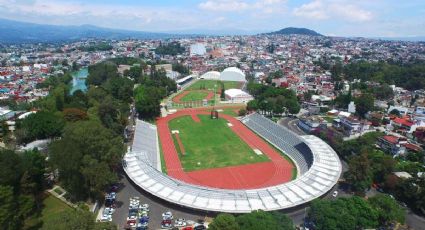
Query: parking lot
x=127, y=190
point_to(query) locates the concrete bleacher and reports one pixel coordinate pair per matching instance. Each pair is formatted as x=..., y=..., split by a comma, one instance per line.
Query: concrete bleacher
x=140, y=164
x=146, y=141
x=283, y=139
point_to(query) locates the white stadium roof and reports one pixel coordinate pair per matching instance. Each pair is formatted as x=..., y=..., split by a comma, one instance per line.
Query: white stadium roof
x=318, y=173
x=211, y=75
x=232, y=74
x=236, y=93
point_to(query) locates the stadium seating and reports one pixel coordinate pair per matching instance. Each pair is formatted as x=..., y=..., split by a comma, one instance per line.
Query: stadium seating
x=282, y=138
x=146, y=141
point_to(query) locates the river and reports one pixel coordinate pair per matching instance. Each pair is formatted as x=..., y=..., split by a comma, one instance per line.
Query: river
x=79, y=80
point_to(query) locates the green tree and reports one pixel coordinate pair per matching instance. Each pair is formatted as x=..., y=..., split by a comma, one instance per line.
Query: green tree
x=359, y=173
x=293, y=106
x=178, y=67
x=8, y=208
x=101, y=72
x=148, y=101
x=252, y=105
x=388, y=209
x=40, y=125
x=343, y=213
x=264, y=220
x=120, y=88
x=87, y=157
x=74, y=114
x=364, y=104
x=224, y=221
x=172, y=48
x=242, y=112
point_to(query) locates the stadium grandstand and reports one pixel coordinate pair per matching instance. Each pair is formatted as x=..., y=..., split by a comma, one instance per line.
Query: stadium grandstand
x=183, y=81
x=318, y=164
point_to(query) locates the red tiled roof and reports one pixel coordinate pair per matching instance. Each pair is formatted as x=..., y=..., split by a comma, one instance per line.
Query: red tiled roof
x=391, y=139
x=413, y=147
x=403, y=122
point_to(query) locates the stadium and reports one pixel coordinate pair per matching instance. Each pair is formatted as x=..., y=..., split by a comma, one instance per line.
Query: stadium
x=212, y=160
x=205, y=90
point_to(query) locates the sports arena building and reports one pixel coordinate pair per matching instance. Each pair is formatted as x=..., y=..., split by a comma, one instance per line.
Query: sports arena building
x=318, y=167
x=229, y=74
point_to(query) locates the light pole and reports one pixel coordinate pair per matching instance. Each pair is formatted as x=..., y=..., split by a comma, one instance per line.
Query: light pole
x=215, y=95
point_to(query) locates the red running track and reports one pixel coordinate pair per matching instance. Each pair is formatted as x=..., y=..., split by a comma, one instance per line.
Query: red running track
x=249, y=176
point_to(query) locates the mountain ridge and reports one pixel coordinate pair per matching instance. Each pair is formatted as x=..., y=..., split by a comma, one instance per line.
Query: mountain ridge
x=295, y=30
x=26, y=32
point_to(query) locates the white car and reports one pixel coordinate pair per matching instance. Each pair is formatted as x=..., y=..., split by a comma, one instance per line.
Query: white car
x=167, y=215
x=106, y=218
x=108, y=211
x=144, y=207
x=180, y=223
x=335, y=193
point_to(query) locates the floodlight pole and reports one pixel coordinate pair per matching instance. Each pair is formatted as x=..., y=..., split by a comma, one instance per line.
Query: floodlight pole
x=215, y=94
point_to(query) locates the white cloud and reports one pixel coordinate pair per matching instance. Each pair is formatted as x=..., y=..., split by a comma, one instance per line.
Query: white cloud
x=224, y=5
x=313, y=10
x=266, y=6
x=116, y=16
x=333, y=9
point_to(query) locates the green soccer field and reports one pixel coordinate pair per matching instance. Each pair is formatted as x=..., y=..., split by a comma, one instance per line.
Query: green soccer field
x=211, y=144
x=194, y=96
x=209, y=85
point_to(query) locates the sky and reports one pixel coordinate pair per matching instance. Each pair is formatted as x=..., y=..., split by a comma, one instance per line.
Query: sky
x=365, y=18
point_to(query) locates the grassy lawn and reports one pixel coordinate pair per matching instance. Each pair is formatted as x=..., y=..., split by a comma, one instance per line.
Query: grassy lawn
x=52, y=208
x=209, y=84
x=212, y=143
x=195, y=96
x=329, y=119
x=161, y=156
x=230, y=112
x=58, y=190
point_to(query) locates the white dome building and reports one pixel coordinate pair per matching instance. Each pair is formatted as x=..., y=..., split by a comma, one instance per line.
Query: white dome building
x=232, y=74
x=211, y=75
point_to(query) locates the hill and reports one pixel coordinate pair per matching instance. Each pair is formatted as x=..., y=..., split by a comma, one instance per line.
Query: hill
x=293, y=30
x=25, y=32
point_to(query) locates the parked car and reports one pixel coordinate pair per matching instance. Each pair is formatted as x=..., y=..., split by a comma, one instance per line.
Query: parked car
x=180, y=222
x=335, y=193
x=199, y=227
x=167, y=215
x=188, y=228
x=131, y=223
x=108, y=211
x=143, y=213
x=106, y=218
x=132, y=214
x=144, y=207
x=166, y=224
x=144, y=219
